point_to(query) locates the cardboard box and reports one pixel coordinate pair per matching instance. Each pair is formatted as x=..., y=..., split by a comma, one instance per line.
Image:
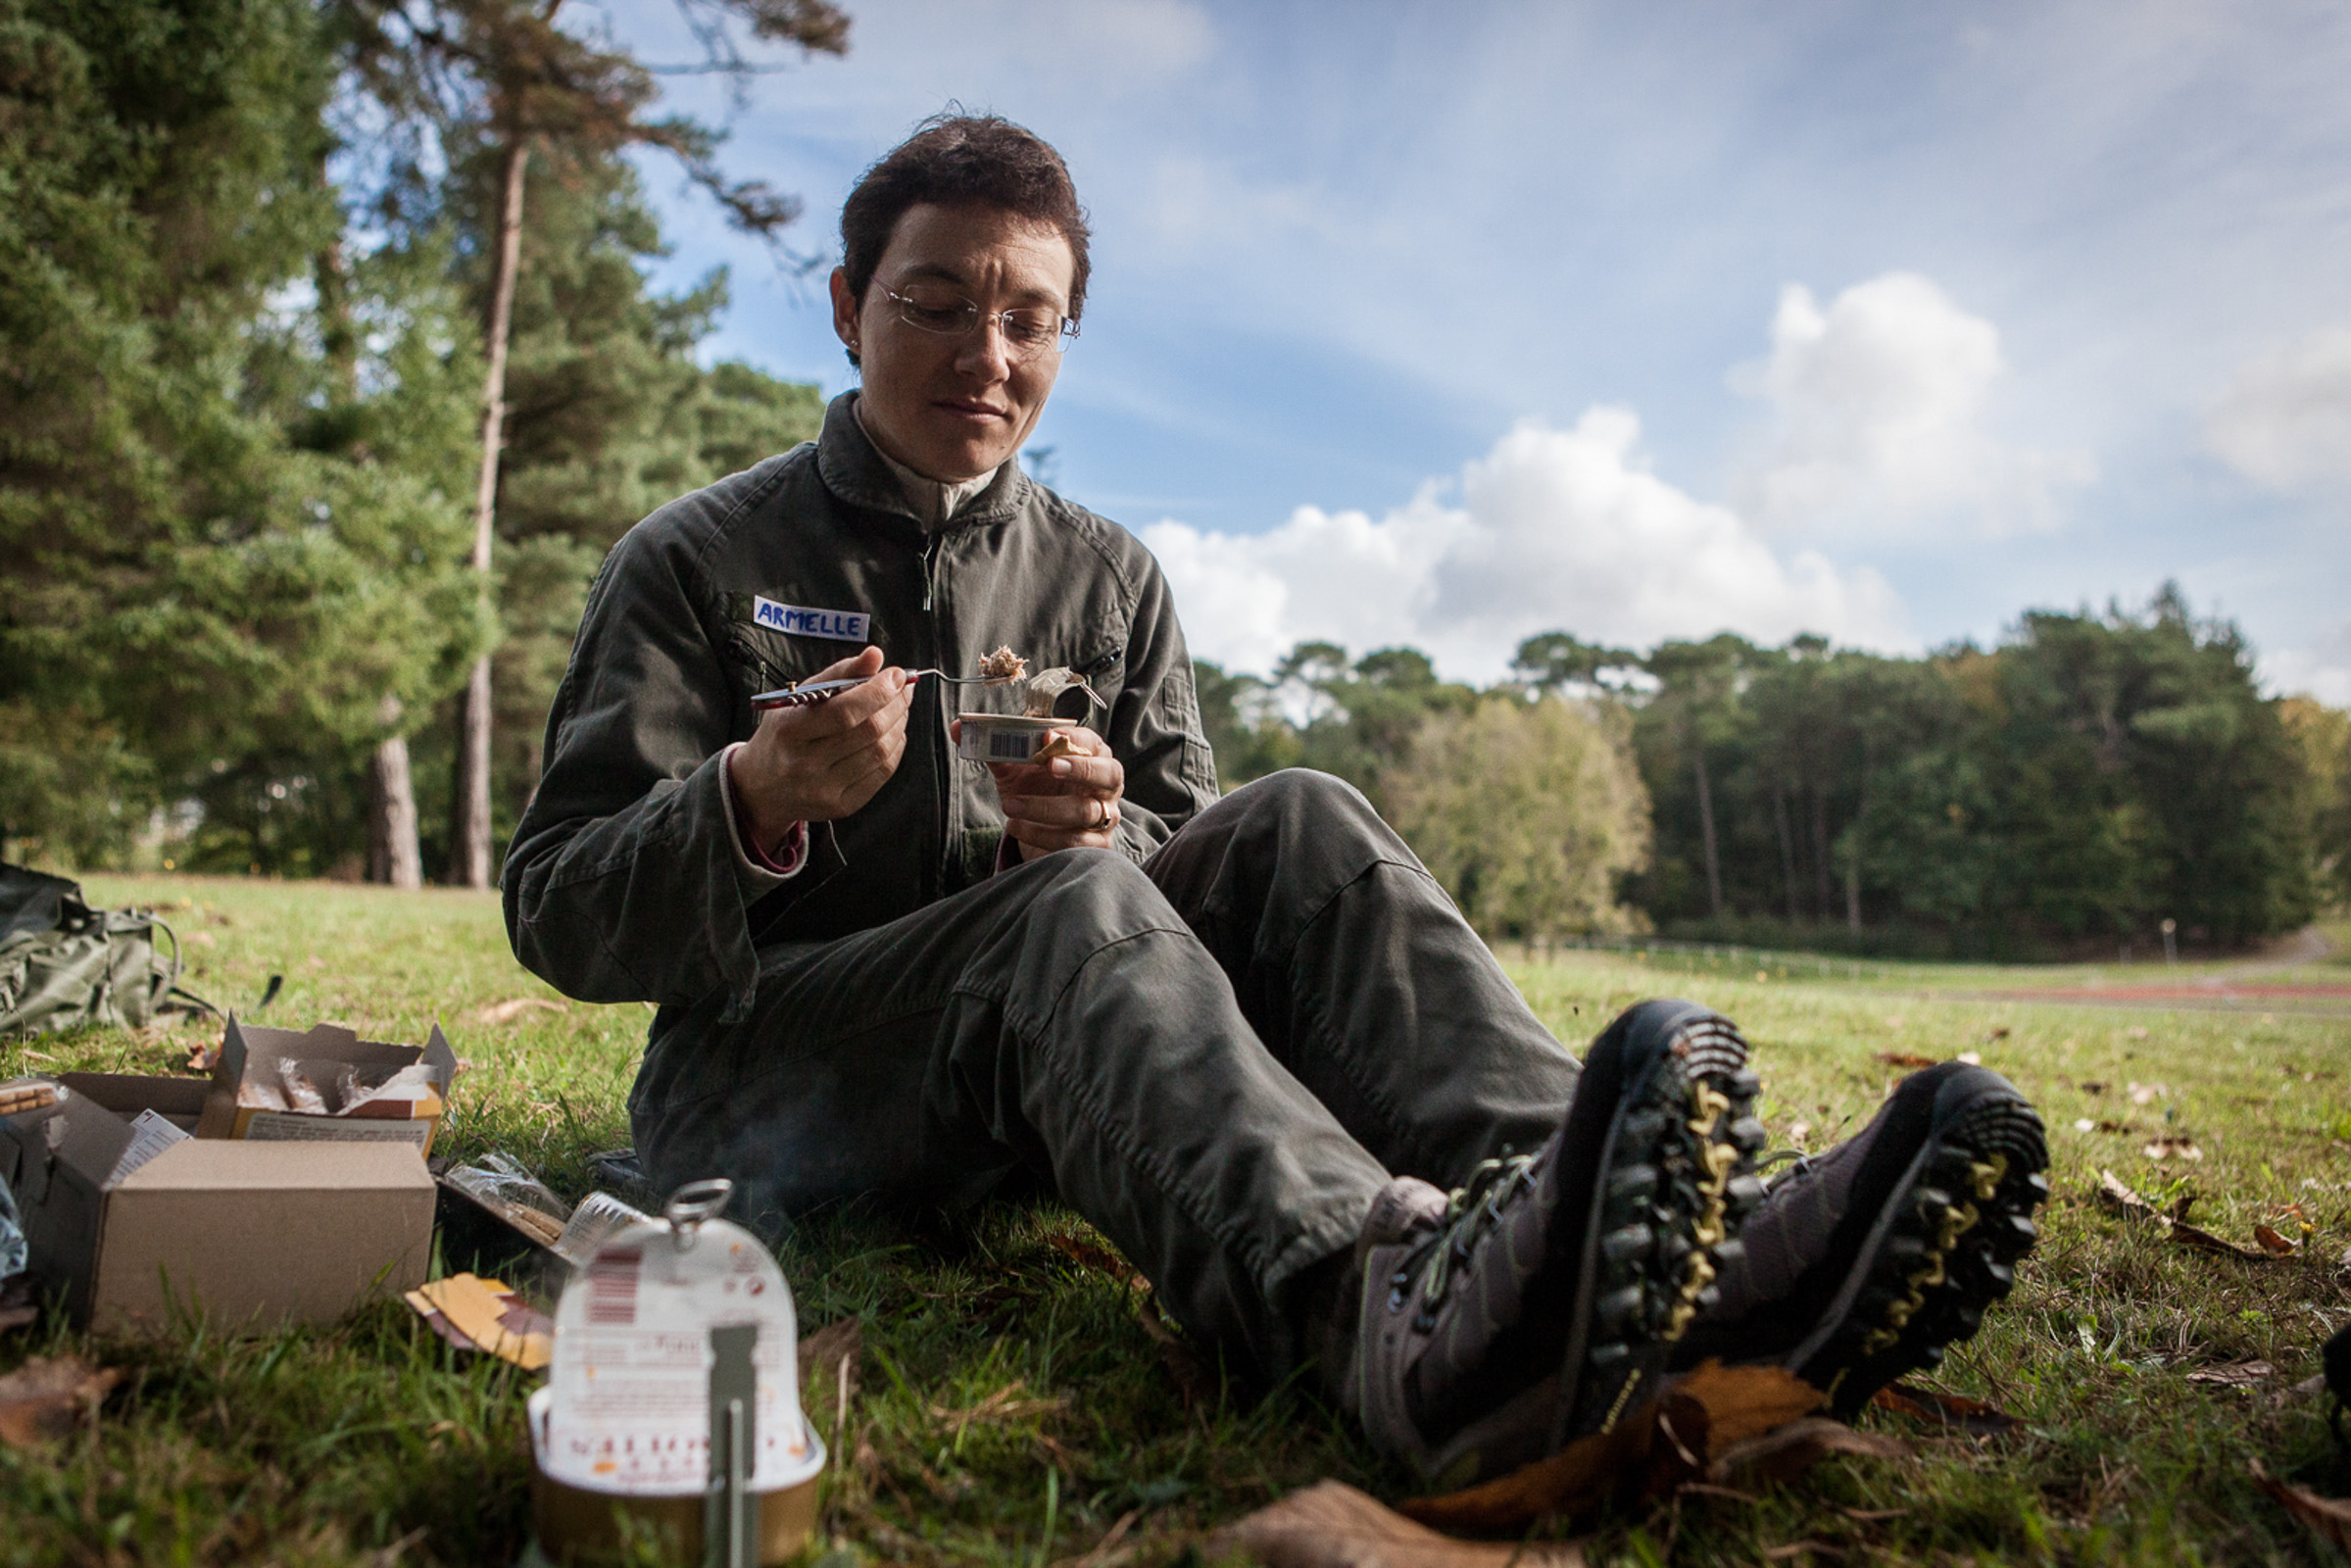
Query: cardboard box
x=249, y=1068
x=251, y=1234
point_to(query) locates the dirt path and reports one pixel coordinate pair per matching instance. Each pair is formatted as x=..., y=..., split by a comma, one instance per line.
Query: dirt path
x=2232, y=988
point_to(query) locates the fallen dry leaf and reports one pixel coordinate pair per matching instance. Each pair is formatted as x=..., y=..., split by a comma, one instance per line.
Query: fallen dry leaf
x=2233, y=1374
x=2163, y=1145
x=1746, y=1402
x=1787, y=1451
x=41, y=1401
x=2148, y=1093
x=2115, y=1194
x=1332, y=1524
x=1999, y=1031
x=2330, y=1518
x=1904, y=1059
x=1801, y=1549
x=1095, y=1257
x=2272, y=1242
x=1581, y=1476
x=509, y=1011
x=1933, y=1408
x=2091, y=1087
x=1670, y=1441
x=2112, y=1193
x=1196, y=1381
x=202, y=1058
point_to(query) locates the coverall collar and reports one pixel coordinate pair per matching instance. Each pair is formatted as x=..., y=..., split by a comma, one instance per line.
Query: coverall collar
x=864, y=475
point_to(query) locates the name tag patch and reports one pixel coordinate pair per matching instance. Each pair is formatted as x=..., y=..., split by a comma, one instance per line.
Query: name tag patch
x=841, y=625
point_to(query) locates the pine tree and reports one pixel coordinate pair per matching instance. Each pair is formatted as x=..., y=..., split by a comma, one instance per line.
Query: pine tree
x=210, y=596
x=503, y=75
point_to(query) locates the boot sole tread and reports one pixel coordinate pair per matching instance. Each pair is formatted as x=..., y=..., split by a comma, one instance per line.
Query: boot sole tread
x=1960, y=1229
x=1684, y=1182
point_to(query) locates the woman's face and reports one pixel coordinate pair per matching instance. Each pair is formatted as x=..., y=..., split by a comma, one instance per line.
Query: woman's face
x=955, y=406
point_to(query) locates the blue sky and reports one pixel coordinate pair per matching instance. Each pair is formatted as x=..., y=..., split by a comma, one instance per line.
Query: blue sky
x=1447, y=325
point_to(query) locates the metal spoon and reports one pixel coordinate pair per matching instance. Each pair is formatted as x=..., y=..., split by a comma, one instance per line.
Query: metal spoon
x=809, y=693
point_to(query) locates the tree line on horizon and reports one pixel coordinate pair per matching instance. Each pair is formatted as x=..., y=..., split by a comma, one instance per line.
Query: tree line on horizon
x=2065, y=791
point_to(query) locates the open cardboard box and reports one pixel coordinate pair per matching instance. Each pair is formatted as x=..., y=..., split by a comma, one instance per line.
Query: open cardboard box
x=251, y=1056
x=250, y=1234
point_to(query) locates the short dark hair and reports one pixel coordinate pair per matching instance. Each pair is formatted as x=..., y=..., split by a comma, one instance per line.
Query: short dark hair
x=955, y=160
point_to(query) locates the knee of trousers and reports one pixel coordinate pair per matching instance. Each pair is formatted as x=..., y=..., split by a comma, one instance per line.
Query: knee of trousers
x=1298, y=805
x=1305, y=792
x=1095, y=894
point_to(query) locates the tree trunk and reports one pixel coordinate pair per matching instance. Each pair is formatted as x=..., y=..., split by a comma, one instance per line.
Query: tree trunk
x=1714, y=864
x=1820, y=853
x=1853, y=851
x=1788, y=848
x=392, y=853
x=469, y=811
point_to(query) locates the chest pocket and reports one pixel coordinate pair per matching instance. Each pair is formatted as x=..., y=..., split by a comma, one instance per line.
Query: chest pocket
x=763, y=657
x=1105, y=672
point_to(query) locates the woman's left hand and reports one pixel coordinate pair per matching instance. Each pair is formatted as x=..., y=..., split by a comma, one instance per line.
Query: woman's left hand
x=1066, y=804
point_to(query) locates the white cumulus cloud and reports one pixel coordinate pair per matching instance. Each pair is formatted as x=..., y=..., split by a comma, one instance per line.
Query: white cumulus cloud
x=2320, y=668
x=1552, y=529
x=2284, y=421
x=1877, y=420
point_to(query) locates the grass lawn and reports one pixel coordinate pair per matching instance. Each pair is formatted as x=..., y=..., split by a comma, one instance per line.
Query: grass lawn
x=1013, y=1407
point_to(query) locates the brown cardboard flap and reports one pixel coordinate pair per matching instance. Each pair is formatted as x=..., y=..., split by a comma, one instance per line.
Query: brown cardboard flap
x=59, y=1161
x=254, y=1235
x=181, y=1100
x=247, y=1050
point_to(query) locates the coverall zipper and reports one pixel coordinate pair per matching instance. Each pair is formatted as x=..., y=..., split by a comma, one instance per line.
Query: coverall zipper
x=942, y=759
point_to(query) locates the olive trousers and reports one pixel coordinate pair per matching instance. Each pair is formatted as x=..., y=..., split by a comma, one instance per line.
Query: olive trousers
x=1216, y=1057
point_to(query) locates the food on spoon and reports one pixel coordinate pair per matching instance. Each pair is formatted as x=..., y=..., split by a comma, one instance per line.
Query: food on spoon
x=1004, y=665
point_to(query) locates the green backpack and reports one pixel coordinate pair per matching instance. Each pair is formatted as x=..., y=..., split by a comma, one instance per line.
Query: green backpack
x=63, y=964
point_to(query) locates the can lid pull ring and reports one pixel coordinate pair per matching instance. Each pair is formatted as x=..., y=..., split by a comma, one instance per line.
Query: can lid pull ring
x=692, y=1203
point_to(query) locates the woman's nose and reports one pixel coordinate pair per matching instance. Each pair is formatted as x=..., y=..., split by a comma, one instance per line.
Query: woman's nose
x=986, y=350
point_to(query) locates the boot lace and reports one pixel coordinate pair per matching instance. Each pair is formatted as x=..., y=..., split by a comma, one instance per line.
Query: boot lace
x=1797, y=1172
x=1471, y=1210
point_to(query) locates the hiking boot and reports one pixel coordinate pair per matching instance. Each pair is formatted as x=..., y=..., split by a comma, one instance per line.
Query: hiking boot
x=1536, y=1304
x=1862, y=1264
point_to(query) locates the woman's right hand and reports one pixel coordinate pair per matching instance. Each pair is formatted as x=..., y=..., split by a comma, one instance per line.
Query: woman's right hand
x=824, y=762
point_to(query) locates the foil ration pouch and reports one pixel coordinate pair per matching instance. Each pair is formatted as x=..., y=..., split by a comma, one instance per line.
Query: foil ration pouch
x=627, y=1407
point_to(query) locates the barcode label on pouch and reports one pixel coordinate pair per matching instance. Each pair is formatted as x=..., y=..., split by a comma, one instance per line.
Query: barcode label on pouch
x=613, y=1287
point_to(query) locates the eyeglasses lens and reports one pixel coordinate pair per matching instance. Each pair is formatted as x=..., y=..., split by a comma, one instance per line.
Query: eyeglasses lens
x=1026, y=332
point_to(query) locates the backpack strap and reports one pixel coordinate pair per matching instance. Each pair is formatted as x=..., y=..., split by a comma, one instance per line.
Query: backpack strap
x=168, y=996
